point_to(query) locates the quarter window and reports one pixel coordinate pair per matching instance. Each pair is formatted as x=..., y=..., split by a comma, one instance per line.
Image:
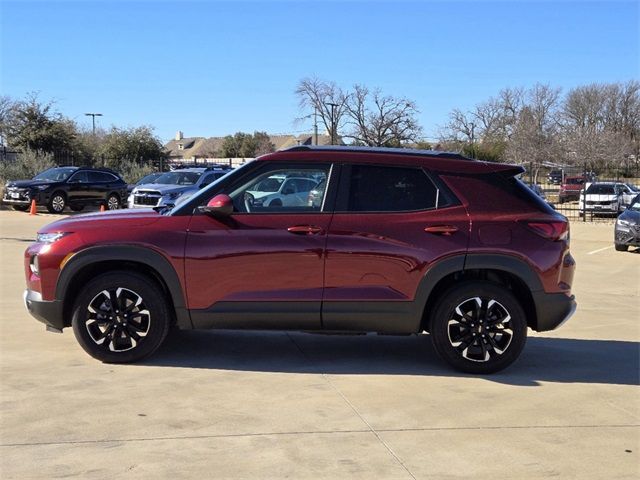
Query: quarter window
x=389, y=189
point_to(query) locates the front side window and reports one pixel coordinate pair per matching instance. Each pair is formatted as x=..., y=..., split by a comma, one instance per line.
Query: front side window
x=389, y=189
x=282, y=190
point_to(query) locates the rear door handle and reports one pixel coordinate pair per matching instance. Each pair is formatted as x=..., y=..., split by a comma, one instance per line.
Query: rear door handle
x=304, y=229
x=441, y=229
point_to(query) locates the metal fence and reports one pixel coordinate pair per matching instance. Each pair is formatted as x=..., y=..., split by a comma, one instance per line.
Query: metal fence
x=556, y=187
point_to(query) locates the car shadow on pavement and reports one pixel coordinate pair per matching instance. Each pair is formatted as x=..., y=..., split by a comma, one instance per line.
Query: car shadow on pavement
x=544, y=359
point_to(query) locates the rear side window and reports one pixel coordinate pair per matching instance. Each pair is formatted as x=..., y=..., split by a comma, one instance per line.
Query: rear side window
x=389, y=189
x=101, y=177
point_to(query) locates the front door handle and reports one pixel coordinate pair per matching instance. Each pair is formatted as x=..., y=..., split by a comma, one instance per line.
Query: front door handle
x=441, y=229
x=304, y=230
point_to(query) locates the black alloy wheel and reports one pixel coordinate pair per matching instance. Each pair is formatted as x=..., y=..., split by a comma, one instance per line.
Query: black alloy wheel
x=120, y=317
x=479, y=327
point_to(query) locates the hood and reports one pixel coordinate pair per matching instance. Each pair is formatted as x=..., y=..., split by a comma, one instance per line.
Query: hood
x=135, y=217
x=164, y=189
x=28, y=183
x=632, y=216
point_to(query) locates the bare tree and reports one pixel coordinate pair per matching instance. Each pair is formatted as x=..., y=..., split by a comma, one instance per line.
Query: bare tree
x=379, y=120
x=327, y=99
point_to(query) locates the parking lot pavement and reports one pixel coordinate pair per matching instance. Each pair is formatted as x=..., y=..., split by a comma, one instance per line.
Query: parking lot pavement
x=273, y=405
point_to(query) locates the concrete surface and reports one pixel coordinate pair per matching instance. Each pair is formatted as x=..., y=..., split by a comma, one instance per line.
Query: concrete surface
x=292, y=405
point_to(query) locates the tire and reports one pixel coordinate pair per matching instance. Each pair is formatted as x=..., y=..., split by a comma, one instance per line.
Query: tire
x=76, y=208
x=621, y=248
x=476, y=348
x=21, y=208
x=113, y=202
x=57, y=202
x=121, y=337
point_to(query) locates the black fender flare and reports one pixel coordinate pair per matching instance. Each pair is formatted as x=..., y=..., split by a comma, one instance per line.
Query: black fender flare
x=128, y=253
x=464, y=262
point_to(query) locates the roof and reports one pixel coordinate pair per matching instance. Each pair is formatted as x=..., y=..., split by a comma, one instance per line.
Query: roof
x=384, y=150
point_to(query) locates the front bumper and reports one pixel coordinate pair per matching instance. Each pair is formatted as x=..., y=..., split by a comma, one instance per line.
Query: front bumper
x=627, y=235
x=553, y=309
x=49, y=313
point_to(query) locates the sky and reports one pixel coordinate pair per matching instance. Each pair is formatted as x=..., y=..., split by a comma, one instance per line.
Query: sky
x=212, y=68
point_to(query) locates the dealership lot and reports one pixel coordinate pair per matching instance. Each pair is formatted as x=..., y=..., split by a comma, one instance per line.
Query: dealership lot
x=273, y=405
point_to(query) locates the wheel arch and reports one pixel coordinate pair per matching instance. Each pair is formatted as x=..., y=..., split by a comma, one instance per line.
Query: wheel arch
x=92, y=261
x=510, y=272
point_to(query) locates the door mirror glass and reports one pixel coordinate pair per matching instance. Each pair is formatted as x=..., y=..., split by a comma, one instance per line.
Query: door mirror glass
x=219, y=206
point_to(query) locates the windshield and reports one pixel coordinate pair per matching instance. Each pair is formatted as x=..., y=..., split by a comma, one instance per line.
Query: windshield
x=55, y=174
x=178, y=178
x=148, y=178
x=595, y=189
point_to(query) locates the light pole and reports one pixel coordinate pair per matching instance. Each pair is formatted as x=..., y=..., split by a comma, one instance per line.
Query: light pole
x=333, y=124
x=93, y=119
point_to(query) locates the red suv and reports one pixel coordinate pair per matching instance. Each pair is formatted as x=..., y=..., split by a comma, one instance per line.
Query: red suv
x=571, y=188
x=397, y=242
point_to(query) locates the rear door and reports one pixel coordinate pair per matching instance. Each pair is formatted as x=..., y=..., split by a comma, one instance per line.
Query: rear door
x=391, y=223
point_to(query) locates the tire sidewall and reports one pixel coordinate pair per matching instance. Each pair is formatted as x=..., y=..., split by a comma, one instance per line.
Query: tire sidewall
x=464, y=291
x=152, y=298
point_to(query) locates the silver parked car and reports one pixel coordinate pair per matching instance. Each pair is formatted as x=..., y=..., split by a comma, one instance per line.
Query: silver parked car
x=627, y=229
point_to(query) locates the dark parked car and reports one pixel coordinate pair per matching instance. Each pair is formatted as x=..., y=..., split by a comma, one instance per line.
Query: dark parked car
x=76, y=187
x=404, y=241
x=627, y=229
x=555, y=177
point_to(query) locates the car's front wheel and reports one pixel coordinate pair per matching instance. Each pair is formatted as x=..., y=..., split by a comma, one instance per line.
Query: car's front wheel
x=621, y=247
x=120, y=317
x=478, y=327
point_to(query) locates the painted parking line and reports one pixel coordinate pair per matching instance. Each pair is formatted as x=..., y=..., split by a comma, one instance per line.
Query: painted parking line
x=600, y=250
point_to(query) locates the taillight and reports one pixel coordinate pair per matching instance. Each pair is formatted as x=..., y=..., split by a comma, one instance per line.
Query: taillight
x=553, y=230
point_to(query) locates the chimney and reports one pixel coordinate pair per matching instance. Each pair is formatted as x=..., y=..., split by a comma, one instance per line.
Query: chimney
x=179, y=135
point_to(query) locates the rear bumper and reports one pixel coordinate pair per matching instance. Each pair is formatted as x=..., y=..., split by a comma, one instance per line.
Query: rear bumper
x=553, y=309
x=49, y=313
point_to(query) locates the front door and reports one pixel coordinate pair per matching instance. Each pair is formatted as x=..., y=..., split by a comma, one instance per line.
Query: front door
x=263, y=266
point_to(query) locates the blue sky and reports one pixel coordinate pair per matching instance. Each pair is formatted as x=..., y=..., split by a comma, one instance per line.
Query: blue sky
x=213, y=68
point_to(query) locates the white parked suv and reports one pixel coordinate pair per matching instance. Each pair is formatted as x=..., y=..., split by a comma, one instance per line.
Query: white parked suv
x=280, y=190
x=606, y=198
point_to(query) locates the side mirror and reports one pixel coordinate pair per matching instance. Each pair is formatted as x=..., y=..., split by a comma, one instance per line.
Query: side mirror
x=219, y=206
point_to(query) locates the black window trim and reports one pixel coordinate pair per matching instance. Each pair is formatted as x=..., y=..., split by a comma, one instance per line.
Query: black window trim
x=443, y=194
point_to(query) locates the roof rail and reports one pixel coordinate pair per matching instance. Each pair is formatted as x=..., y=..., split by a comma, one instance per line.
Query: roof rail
x=393, y=151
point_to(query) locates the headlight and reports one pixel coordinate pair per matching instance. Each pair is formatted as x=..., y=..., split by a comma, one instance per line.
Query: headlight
x=623, y=223
x=50, y=237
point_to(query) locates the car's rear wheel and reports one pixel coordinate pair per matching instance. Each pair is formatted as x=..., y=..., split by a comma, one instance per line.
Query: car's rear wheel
x=21, y=208
x=113, y=202
x=478, y=327
x=120, y=317
x=621, y=247
x=57, y=202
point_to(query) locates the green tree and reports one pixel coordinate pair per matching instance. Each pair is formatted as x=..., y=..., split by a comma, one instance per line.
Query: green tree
x=34, y=125
x=137, y=144
x=245, y=145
